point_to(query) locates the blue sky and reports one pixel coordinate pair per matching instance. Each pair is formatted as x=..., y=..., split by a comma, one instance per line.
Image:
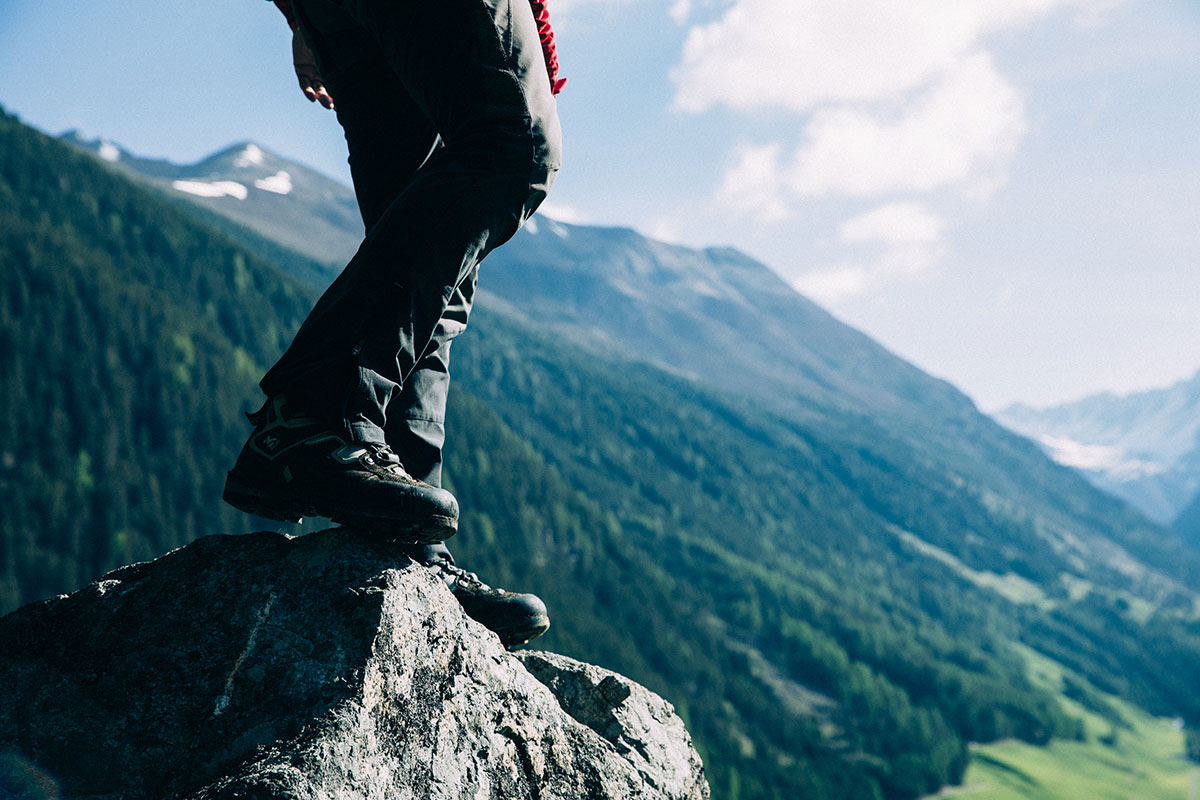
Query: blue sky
x=1006, y=192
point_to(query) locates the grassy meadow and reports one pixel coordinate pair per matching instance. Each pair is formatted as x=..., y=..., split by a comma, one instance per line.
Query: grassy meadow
x=1125, y=754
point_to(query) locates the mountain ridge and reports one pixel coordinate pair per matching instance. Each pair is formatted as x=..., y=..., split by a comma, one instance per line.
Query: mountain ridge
x=745, y=285
x=257, y=188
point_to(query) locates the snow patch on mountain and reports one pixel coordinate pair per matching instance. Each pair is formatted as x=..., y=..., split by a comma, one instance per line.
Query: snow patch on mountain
x=279, y=183
x=1143, y=447
x=252, y=156
x=109, y=152
x=212, y=188
x=1110, y=460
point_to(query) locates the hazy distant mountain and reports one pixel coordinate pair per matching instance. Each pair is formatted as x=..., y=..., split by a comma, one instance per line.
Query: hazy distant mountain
x=280, y=199
x=1143, y=447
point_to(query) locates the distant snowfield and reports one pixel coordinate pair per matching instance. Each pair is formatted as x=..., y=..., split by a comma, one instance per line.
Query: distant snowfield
x=252, y=156
x=279, y=183
x=213, y=188
x=1143, y=447
x=1110, y=460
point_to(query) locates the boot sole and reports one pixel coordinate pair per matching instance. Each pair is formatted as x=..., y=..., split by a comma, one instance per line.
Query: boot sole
x=429, y=529
x=516, y=636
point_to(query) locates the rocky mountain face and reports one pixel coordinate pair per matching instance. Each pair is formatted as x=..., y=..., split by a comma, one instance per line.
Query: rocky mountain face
x=327, y=666
x=1143, y=447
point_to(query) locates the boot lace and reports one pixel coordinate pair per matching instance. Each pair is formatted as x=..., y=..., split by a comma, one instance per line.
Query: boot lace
x=455, y=576
x=382, y=456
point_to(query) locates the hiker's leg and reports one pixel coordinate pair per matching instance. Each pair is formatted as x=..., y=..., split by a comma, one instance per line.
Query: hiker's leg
x=474, y=68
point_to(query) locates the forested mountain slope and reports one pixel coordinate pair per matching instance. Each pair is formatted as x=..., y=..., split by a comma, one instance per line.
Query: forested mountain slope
x=129, y=338
x=830, y=600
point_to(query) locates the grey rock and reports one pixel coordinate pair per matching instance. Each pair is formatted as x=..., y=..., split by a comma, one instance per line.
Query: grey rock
x=639, y=724
x=325, y=666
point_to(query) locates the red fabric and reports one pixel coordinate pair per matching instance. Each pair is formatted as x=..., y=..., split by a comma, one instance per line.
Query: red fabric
x=549, y=51
x=545, y=35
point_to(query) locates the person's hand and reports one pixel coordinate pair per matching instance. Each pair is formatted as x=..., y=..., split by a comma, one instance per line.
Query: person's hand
x=307, y=73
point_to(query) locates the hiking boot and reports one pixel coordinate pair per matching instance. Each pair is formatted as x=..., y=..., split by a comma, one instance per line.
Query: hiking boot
x=516, y=618
x=294, y=466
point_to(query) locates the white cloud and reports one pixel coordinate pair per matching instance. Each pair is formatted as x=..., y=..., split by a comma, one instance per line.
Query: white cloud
x=960, y=133
x=896, y=97
x=834, y=284
x=890, y=101
x=902, y=240
x=895, y=223
x=666, y=230
x=849, y=279
x=754, y=183
x=802, y=54
x=907, y=261
x=1099, y=458
x=563, y=11
x=562, y=213
x=680, y=11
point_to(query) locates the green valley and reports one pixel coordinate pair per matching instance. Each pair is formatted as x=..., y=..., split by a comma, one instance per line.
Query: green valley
x=1123, y=752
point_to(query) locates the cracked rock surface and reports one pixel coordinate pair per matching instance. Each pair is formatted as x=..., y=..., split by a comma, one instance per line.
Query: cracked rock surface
x=325, y=666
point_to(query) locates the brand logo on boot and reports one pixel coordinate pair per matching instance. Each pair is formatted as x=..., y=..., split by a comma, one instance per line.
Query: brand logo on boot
x=270, y=442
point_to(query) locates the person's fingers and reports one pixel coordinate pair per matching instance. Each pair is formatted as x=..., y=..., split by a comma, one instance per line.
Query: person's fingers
x=314, y=89
x=321, y=95
x=306, y=72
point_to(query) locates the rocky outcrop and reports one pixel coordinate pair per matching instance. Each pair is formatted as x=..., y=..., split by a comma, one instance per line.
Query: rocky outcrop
x=325, y=666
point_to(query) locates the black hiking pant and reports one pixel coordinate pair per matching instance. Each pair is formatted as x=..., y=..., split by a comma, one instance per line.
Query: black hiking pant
x=454, y=141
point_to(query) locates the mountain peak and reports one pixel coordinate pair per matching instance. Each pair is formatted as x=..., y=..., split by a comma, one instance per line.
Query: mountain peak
x=250, y=155
x=253, y=186
x=242, y=156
